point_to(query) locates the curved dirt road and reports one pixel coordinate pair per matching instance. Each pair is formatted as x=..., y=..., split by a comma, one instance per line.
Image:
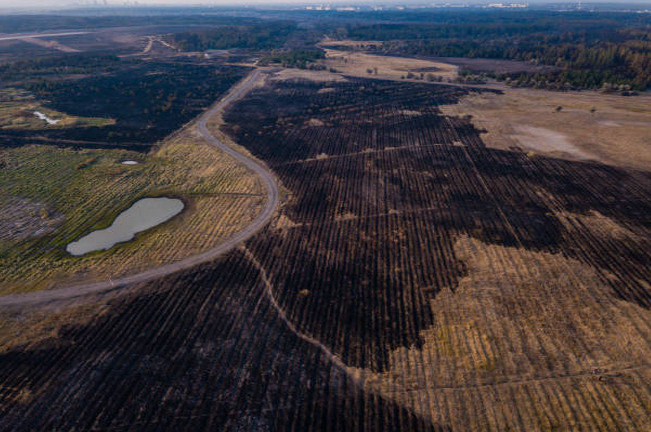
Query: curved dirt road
x=71, y=292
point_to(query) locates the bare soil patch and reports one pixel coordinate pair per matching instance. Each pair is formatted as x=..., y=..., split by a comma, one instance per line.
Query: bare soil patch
x=547, y=141
x=21, y=219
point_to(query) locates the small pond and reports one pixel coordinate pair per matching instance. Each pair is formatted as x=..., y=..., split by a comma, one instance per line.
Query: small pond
x=129, y=162
x=46, y=118
x=142, y=215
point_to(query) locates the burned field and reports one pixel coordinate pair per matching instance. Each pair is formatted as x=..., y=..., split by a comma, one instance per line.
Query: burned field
x=147, y=100
x=414, y=280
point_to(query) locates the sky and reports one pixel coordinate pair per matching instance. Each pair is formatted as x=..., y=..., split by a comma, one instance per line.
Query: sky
x=56, y=4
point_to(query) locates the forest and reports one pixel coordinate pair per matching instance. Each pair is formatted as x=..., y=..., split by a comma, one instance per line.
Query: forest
x=587, y=50
x=113, y=18
x=298, y=58
x=56, y=66
x=253, y=37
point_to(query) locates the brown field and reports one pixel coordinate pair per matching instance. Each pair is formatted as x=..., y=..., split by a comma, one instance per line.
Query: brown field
x=616, y=133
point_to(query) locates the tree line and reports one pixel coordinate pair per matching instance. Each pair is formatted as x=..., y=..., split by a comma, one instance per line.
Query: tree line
x=252, y=37
x=584, y=52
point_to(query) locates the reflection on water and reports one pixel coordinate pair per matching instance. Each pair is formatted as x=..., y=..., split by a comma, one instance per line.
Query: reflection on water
x=142, y=215
x=46, y=118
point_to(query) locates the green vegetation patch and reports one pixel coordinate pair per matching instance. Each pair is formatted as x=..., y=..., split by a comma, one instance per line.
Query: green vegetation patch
x=256, y=37
x=298, y=58
x=588, y=50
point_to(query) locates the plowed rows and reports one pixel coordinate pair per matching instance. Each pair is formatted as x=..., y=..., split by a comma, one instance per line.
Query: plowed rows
x=199, y=361
x=464, y=288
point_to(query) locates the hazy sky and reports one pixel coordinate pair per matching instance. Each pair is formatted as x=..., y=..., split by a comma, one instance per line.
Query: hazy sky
x=20, y=4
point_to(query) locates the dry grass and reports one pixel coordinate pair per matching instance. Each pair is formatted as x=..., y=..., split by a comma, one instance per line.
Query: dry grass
x=528, y=341
x=393, y=68
x=615, y=133
x=27, y=331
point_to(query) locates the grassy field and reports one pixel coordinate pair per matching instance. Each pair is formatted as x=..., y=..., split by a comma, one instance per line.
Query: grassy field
x=76, y=191
x=17, y=112
x=385, y=67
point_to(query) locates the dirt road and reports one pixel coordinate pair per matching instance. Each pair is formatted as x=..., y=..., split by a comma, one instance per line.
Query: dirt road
x=17, y=301
x=40, y=35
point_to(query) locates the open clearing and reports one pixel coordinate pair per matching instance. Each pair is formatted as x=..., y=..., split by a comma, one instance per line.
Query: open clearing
x=606, y=128
x=385, y=67
x=476, y=65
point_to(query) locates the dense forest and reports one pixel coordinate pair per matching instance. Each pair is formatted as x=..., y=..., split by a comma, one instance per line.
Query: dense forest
x=253, y=37
x=587, y=50
x=296, y=58
x=58, y=66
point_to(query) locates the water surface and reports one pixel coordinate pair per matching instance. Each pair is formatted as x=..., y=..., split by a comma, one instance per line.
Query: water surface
x=142, y=215
x=46, y=118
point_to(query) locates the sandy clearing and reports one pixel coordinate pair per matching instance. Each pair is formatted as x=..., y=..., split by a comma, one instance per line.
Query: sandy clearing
x=547, y=141
x=40, y=35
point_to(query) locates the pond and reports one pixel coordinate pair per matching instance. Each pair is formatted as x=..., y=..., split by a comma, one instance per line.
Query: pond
x=142, y=215
x=46, y=118
x=129, y=162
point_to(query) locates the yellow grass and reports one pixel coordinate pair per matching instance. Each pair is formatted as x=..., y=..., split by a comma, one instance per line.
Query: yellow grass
x=523, y=337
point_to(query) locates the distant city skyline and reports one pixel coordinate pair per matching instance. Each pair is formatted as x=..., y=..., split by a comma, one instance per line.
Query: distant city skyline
x=58, y=4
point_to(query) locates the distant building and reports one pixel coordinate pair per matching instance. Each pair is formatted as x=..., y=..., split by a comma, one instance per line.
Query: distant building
x=508, y=5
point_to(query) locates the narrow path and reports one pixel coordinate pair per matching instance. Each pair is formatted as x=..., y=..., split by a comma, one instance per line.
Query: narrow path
x=356, y=381
x=70, y=292
x=40, y=35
